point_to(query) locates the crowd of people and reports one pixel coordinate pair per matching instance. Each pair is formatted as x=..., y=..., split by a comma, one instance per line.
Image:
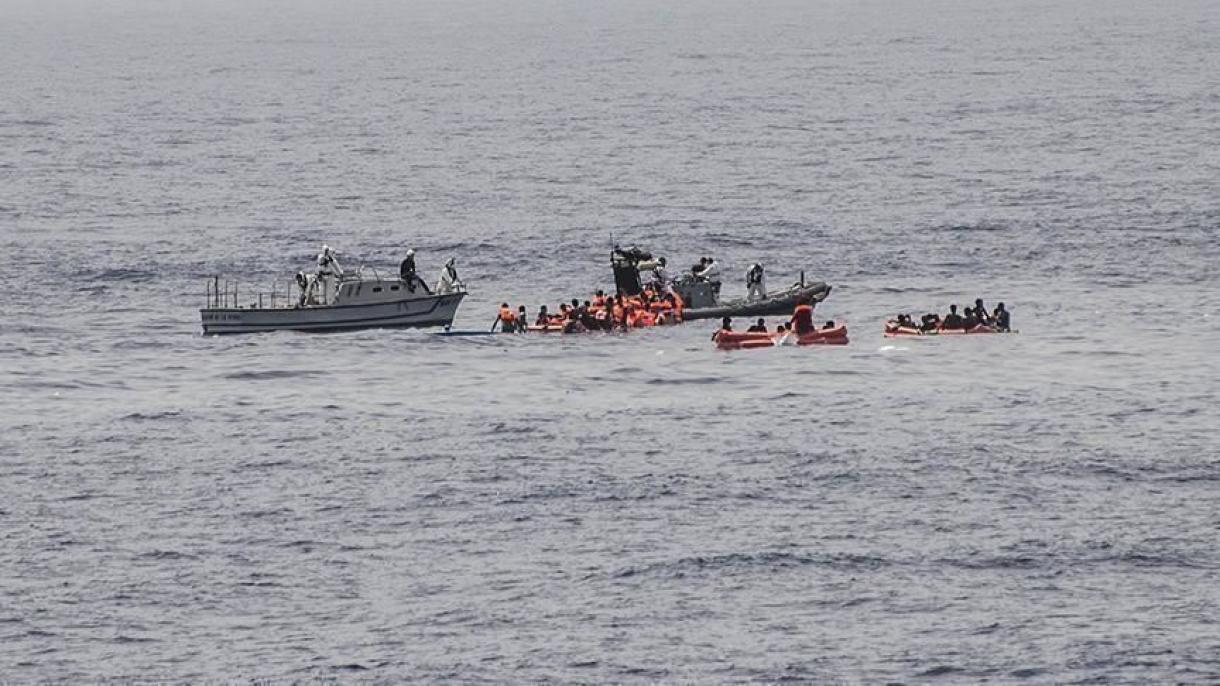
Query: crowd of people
x=600, y=313
x=971, y=318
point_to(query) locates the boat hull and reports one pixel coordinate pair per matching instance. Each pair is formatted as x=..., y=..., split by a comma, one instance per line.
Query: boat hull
x=779, y=303
x=437, y=310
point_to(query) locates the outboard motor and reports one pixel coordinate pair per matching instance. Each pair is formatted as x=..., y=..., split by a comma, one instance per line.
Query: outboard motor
x=625, y=264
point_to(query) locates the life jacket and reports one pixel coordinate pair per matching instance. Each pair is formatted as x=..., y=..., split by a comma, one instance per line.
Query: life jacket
x=645, y=318
x=507, y=317
x=599, y=301
x=803, y=319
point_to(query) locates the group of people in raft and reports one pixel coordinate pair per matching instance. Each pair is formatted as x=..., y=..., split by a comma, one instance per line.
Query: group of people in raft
x=787, y=332
x=651, y=307
x=973, y=318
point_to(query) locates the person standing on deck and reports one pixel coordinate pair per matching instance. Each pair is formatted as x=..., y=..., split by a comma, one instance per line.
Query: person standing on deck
x=449, y=281
x=329, y=274
x=406, y=270
x=756, y=287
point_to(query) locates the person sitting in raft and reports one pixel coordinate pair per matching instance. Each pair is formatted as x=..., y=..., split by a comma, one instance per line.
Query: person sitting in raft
x=953, y=320
x=830, y=324
x=506, y=319
x=544, y=317
x=726, y=326
x=783, y=336
x=1000, y=319
x=969, y=321
x=930, y=322
x=599, y=299
x=802, y=318
x=760, y=327
x=981, y=312
x=522, y=318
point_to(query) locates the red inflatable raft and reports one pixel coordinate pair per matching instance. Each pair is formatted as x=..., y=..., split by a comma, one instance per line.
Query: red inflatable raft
x=733, y=340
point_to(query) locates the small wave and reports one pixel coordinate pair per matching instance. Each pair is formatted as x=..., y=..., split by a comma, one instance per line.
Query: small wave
x=271, y=374
x=136, y=275
x=940, y=670
x=152, y=416
x=696, y=381
x=737, y=561
x=166, y=555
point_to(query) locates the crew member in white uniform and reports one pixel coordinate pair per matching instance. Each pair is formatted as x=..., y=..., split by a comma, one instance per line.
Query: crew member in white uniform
x=329, y=273
x=449, y=281
x=711, y=274
x=660, y=276
x=756, y=285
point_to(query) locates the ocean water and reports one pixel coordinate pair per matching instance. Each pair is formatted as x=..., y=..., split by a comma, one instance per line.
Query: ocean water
x=393, y=505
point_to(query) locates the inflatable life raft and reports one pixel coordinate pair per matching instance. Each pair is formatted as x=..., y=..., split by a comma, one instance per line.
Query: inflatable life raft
x=733, y=340
x=892, y=330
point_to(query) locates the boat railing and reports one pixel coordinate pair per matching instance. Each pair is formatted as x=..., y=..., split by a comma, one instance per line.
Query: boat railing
x=225, y=294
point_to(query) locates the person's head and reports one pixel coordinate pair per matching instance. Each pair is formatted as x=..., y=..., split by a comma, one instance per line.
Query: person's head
x=521, y=309
x=449, y=262
x=968, y=312
x=575, y=302
x=504, y=306
x=762, y=322
x=588, y=304
x=830, y=324
x=410, y=252
x=600, y=293
x=1000, y=307
x=726, y=323
x=781, y=327
x=953, y=309
x=978, y=303
x=661, y=261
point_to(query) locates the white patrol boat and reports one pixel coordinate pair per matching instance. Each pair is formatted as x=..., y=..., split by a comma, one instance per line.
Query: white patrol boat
x=334, y=302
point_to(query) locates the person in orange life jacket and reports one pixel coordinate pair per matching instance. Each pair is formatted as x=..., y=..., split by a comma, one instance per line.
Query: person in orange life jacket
x=507, y=319
x=645, y=317
x=599, y=299
x=760, y=327
x=953, y=320
x=802, y=317
x=604, y=319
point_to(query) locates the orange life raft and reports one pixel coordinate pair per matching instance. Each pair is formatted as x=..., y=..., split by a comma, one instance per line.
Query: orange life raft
x=733, y=340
